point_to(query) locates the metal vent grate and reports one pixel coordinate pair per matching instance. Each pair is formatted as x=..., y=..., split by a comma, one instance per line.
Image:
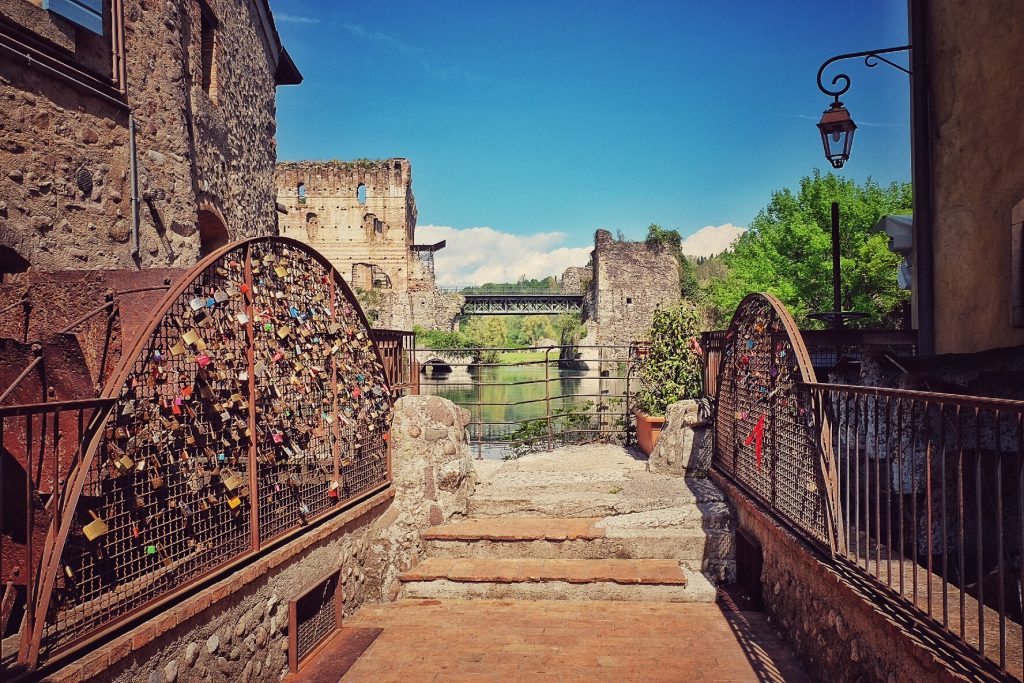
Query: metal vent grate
x=313, y=616
x=83, y=179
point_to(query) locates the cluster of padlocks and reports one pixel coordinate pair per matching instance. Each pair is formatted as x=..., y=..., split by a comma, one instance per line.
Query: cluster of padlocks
x=258, y=403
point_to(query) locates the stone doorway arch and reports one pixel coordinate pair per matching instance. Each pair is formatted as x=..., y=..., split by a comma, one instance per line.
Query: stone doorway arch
x=213, y=231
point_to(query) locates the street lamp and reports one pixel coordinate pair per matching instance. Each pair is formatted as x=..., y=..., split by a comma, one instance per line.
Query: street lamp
x=837, y=128
x=836, y=125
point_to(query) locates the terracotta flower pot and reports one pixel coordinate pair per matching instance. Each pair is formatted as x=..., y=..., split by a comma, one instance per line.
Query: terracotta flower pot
x=648, y=429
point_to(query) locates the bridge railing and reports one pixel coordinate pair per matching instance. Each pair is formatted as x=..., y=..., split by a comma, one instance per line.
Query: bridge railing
x=510, y=290
x=533, y=399
x=916, y=498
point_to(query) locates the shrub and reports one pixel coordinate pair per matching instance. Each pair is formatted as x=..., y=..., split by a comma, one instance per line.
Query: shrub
x=672, y=368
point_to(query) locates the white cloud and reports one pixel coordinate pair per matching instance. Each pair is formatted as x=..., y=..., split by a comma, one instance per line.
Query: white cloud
x=711, y=239
x=474, y=256
x=293, y=19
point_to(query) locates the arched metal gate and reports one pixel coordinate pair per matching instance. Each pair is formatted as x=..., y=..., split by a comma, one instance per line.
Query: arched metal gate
x=254, y=402
x=769, y=438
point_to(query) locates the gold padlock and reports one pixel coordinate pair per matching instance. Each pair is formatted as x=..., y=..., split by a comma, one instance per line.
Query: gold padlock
x=96, y=528
x=124, y=464
x=230, y=480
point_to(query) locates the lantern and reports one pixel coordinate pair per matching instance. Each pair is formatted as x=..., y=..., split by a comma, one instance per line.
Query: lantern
x=837, y=128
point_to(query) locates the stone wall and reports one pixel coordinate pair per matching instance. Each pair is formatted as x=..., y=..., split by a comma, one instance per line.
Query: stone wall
x=236, y=629
x=977, y=175
x=631, y=281
x=368, y=237
x=210, y=154
x=832, y=624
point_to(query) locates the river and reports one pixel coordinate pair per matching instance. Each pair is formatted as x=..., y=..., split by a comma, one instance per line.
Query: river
x=503, y=397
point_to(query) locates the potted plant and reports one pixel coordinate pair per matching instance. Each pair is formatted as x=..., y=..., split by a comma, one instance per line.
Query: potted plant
x=670, y=371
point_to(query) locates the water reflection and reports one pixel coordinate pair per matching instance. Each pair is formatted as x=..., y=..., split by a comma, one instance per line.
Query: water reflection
x=503, y=397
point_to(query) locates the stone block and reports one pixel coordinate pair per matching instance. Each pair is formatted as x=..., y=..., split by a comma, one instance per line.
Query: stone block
x=679, y=448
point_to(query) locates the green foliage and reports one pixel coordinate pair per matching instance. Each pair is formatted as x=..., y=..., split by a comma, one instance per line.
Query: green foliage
x=545, y=285
x=673, y=241
x=532, y=435
x=788, y=251
x=487, y=332
x=671, y=371
x=370, y=301
x=439, y=339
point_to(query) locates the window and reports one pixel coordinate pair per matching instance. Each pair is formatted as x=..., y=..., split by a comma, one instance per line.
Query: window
x=361, y=193
x=302, y=193
x=85, y=13
x=208, y=38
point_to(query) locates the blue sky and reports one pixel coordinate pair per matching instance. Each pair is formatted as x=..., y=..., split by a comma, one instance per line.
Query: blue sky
x=562, y=117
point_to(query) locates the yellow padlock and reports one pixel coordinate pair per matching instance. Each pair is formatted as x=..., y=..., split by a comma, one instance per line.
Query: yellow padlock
x=94, y=529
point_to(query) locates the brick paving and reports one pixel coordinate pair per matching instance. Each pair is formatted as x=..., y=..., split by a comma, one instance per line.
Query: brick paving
x=566, y=641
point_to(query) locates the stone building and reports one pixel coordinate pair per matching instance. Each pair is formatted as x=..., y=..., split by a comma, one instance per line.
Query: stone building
x=362, y=216
x=103, y=101
x=968, y=176
x=628, y=282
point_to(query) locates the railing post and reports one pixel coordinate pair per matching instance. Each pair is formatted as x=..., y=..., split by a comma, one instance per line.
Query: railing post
x=547, y=396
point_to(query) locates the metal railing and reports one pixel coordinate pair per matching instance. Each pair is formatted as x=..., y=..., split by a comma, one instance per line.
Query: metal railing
x=509, y=290
x=931, y=495
x=253, y=404
x=532, y=399
x=41, y=444
x=398, y=352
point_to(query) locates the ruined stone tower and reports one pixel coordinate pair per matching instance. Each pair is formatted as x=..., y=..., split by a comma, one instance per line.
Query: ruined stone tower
x=361, y=215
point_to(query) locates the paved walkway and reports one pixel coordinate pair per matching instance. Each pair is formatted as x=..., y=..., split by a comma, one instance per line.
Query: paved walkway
x=564, y=641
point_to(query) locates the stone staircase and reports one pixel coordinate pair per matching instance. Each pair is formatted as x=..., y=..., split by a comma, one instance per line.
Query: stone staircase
x=580, y=523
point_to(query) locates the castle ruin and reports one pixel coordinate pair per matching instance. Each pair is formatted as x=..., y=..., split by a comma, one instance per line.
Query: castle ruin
x=361, y=215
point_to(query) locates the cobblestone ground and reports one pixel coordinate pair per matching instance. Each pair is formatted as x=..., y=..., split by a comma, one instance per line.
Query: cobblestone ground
x=565, y=641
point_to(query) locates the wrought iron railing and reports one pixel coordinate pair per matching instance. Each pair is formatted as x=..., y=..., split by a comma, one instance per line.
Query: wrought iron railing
x=931, y=495
x=398, y=352
x=918, y=495
x=533, y=399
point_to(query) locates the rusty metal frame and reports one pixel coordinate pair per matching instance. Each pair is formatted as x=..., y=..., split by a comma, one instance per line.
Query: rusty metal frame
x=767, y=341
x=295, y=660
x=60, y=527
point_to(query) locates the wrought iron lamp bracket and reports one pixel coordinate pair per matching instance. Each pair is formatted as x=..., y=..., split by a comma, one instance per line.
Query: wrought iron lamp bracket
x=871, y=60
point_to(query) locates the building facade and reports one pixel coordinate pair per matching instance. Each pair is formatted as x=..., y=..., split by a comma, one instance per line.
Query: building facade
x=361, y=215
x=135, y=134
x=968, y=172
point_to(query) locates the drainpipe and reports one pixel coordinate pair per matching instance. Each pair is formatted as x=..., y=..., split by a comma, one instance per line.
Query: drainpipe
x=134, y=169
x=921, y=176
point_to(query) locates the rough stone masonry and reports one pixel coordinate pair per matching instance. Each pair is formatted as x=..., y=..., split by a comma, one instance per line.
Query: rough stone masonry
x=199, y=79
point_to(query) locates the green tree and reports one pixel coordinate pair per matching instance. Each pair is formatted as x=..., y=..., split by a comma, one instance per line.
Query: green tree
x=487, y=332
x=535, y=328
x=788, y=251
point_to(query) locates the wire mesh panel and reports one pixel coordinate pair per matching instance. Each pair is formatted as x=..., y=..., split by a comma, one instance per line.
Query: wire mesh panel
x=766, y=434
x=156, y=508
x=256, y=402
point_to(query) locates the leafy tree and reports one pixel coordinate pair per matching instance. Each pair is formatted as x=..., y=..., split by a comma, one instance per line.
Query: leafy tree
x=487, y=332
x=535, y=328
x=788, y=251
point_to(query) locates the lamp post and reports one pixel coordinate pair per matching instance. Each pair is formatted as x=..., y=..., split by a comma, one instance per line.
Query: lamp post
x=837, y=128
x=836, y=125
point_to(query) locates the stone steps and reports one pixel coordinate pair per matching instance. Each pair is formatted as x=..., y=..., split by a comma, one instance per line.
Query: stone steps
x=578, y=538
x=556, y=579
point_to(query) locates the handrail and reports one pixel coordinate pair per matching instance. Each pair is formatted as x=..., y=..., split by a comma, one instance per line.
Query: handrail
x=980, y=402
